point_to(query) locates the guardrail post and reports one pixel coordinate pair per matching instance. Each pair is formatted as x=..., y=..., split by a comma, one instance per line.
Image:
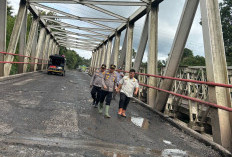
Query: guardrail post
x=39, y=46
x=152, y=54
x=216, y=71
x=3, y=21
x=176, y=52
x=129, y=47
x=30, y=40
x=15, y=36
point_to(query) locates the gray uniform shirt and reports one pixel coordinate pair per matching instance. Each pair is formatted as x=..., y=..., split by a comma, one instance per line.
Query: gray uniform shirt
x=109, y=81
x=97, y=78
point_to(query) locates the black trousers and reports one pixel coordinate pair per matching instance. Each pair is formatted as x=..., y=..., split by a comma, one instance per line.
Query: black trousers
x=106, y=95
x=124, y=101
x=96, y=93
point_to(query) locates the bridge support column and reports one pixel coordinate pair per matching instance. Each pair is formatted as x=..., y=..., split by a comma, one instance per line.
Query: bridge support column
x=121, y=62
x=100, y=56
x=39, y=46
x=129, y=46
x=216, y=71
x=30, y=40
x=45, y=50
x=177, y=50
x=153, y=52
x=94, y=61
x=33, y=53
x=116, y=48
x=142, y=45
x=15, y=36
x=22, y=43
x=103, y=53
x=91, y=64
x=3, y=21
x=109, y=47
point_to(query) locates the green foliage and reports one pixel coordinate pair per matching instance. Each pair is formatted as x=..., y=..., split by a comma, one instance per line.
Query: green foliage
x=188, y=59
x=73, y=60
x=226, y=20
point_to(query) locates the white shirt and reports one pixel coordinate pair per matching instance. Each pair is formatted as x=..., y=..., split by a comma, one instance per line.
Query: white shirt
x=128, y=85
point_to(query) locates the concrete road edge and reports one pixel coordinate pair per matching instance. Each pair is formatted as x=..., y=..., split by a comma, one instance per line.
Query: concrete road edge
x=224, y=152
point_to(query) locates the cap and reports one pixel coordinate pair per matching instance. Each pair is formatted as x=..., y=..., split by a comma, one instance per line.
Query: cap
x=103, y=66
x=112, y=66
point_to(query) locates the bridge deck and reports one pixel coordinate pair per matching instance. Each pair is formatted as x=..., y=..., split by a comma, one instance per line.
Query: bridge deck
x=48, y=115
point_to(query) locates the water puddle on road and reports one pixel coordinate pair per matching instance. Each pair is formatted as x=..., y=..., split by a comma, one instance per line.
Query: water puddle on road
x=140, y=122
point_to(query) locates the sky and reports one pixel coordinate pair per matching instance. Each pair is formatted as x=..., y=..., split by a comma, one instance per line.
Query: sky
x=169, y=15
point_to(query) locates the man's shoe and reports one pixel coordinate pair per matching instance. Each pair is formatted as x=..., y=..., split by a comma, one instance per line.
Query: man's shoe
x=123, y=113
x=107, y=112
x=100, y=107
x=120, y=111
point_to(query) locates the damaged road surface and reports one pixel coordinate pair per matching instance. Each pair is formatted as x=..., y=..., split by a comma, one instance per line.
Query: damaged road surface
x=50, y=115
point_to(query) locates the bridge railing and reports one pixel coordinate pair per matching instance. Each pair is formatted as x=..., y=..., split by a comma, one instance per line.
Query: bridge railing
x=192, y=91
x=36, y=63
x=13, y=54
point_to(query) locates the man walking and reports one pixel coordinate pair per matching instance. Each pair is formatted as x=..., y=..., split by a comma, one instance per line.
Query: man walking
x=129, y=86
x=108, y=86
x=119, y=75
x=96, y=84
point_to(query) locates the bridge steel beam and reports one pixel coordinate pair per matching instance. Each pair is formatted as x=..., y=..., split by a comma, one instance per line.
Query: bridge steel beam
x=103, y=53
x=50, y=47
x=109, y=47
x=39, y=46
x=142, y=45
x=91, y=64
x=112, y=53
x=22, y=43
x=216, y=69
x=45, y=50
x=15, y=36
x=177, y=50
x=116, y=48
x=30, y=40
x=152, y=53
x=3, y=21
x=123, y=51
x=33, y=53
x=129, y=46
x=97, y=59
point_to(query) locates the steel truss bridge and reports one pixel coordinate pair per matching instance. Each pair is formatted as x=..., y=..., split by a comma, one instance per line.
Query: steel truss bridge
x=101, y=32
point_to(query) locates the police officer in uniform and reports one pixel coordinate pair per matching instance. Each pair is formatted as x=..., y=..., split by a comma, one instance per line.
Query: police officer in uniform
x=96, y=85
x=108, y=86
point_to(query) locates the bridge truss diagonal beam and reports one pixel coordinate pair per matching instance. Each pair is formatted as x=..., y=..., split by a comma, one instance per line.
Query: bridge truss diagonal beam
x=70, y=15
x=111, y=3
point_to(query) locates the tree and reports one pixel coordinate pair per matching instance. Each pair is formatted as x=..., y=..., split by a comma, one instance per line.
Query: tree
x=188, y=59
x=226, y=20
